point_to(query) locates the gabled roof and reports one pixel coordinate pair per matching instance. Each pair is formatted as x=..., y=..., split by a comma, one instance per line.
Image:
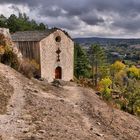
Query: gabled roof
x=34, y=35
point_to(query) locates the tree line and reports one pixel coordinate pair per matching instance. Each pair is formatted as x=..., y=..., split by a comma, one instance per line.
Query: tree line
x=20, y=23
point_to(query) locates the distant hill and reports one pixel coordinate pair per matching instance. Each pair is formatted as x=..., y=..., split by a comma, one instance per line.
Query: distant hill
x=106, y=41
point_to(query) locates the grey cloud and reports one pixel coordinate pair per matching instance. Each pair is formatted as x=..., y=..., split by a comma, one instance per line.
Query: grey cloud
x=93, y=21
x=63, y=22
x=77, y=7
x=129, y=24
x=91, y=12
x=52, y=11
x=15, y=8
x=91, y=18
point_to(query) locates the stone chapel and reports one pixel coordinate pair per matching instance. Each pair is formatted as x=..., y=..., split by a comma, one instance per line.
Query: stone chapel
x=52, y=49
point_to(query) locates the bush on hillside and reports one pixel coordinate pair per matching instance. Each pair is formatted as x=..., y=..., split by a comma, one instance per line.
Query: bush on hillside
x=7, y=56
x=10, y=58
x=104, y=88
x=29, y=68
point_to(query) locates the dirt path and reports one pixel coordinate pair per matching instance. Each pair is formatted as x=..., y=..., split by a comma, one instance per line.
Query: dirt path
x=8, y=122
x=75, y=96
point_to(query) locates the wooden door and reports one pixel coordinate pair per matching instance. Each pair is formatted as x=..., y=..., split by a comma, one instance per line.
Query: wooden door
x=58, y=73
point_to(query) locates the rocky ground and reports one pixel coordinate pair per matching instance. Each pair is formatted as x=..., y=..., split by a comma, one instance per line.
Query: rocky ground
x=35, y=110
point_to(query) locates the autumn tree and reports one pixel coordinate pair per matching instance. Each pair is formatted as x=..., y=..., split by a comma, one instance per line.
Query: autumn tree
x=104, y=88
x=133, y=72
x=116, y=69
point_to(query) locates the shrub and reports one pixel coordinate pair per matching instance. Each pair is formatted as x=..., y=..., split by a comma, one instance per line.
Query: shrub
x=133, y=72
x=7, y=56
x=117, y=66
x=10, y=58
x=29, y=68
x=137, y=110
x=104, y=88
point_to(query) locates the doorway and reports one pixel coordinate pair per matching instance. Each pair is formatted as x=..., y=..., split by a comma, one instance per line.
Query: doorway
x=58, y=73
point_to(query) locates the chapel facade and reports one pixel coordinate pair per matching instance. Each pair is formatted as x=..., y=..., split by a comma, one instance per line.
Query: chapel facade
x=52, y=49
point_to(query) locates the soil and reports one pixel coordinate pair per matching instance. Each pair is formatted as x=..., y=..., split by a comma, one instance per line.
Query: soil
x=36, y=110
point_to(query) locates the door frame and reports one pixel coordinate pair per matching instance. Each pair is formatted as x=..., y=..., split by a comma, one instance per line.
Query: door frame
x=58, y=72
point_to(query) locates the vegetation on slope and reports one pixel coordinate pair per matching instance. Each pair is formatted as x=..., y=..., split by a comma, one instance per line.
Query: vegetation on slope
x=117, y=82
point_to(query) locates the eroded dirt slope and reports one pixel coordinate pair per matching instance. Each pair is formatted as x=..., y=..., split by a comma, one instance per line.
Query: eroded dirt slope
x=39, y=111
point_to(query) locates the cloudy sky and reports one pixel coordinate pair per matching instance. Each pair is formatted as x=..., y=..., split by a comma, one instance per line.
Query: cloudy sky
x=82, y=18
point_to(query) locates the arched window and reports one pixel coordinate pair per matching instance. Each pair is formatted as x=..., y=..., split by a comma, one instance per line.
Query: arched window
x=58, y=39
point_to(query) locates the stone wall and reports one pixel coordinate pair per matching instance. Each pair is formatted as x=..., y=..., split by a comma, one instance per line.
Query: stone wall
x=48, y=56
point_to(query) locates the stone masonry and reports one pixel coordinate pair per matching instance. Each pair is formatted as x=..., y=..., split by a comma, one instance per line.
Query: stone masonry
x=52, y=49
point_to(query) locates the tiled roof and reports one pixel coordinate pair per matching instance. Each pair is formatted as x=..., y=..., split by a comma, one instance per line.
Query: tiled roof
x=33, y=35
x=30, y=35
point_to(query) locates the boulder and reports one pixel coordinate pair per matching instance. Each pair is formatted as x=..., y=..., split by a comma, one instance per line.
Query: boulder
x=5, y=32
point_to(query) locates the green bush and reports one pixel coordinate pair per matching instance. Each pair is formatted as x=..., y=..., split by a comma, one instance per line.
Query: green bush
x=7, y=56
x=10, y=58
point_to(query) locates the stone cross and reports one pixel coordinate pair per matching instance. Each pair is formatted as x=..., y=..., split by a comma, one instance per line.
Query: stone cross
x=58, y=55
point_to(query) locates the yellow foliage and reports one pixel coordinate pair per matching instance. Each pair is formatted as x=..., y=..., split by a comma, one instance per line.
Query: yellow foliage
x=5, y=44
x=117, y=66
x=120, y=75
x=133, y=71
x=104, y=83
x=104, y=88
x=138, y=110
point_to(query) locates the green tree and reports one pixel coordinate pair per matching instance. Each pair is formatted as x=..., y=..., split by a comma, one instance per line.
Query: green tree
x=41, y=26
x=12, y=23
x=3, y=21
x=22, y=23
x=97, y=59
x=81, y=62
x=132, y=95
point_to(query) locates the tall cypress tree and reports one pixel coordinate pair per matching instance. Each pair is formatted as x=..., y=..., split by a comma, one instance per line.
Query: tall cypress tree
x=97, y=58
x=81, y=62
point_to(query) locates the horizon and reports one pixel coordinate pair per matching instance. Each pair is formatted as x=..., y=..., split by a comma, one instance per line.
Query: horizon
x=104, y=37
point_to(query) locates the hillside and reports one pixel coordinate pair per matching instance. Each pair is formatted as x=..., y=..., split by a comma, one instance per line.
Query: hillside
x=35, y=110
x=106, y=41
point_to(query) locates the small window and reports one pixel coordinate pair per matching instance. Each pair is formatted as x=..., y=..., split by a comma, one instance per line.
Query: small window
x=58, y=39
